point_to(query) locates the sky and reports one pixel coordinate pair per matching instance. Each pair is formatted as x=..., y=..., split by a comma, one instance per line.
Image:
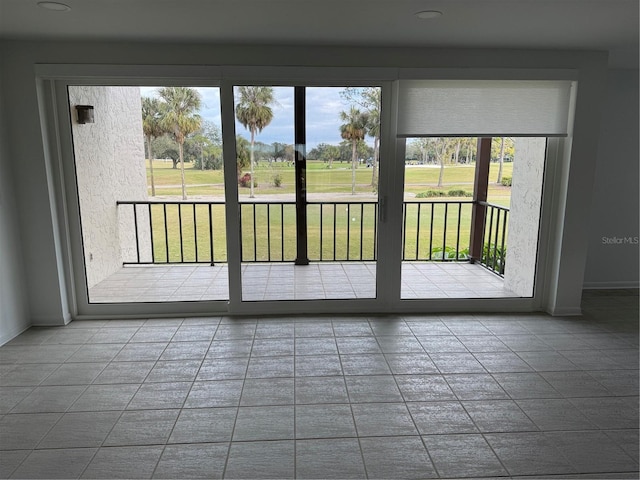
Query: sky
x=324, y=105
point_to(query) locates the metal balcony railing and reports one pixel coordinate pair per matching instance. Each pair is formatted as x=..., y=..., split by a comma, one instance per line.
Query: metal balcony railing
x=173, y=232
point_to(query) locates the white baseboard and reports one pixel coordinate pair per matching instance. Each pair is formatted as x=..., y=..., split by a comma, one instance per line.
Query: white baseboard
x=621, y=285
x=54, y=321
x=566, y=312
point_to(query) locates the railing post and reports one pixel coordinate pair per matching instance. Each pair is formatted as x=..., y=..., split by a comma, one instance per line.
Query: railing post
x=480, y=190
x=302, y=257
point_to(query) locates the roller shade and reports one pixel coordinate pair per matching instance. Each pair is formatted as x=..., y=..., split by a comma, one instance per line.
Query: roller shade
x=489, y=108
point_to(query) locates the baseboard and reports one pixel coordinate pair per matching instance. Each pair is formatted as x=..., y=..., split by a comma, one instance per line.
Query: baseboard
x=618, y=285
x=54, y=321
x=566, y=312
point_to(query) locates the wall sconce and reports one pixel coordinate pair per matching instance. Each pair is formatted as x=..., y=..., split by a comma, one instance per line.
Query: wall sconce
x=85, y=114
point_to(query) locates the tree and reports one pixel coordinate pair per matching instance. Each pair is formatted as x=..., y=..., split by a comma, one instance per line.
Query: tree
x=242, y=155
x=253, y=111
x=278, y=151
x=205, y=147
x=152, y=113
x=443, y=150
x=501, y=160
x=180, y=118
x=166, y=147
x=369, y=99
x=501, y=151
x=325, y=153
x=354, y=130
x=420, y=148
x=200, y=147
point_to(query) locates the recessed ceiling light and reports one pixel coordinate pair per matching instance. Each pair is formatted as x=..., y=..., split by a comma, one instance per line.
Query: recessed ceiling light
x=428, y=14
x=58, y=7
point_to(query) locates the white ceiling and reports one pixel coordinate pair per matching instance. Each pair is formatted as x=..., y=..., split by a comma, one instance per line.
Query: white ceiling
x=566, y=24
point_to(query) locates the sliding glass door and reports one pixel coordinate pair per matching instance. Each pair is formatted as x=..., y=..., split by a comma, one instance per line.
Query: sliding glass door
x=307, y=161
x=304, y=196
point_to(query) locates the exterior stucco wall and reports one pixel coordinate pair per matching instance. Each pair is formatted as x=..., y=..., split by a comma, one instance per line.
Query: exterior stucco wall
x=524, y=217
x=109, y=157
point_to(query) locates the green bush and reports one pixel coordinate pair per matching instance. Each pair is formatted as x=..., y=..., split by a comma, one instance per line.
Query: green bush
x=506, y=181
x=459, y=193
x=277, y=180
x=430, y=194
x=494, y=257
x=449, y=253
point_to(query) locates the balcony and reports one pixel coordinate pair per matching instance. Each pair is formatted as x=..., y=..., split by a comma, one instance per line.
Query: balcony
x=176, y=251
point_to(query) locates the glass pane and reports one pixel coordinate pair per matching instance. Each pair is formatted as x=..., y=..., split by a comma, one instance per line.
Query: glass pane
x=443, y=228
x=334, y=256
x=149, y=172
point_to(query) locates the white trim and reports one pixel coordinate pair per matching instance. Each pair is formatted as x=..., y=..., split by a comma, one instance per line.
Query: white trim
x=232, y=206
x=194, y=75
x=566, y=312
x=51, y=320
x=357, y=306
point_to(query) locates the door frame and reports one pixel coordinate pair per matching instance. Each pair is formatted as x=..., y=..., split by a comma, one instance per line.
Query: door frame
x=308, y=77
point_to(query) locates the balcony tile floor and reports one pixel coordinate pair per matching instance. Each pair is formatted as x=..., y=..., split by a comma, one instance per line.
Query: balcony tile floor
x=414, y=396
x=276, y=281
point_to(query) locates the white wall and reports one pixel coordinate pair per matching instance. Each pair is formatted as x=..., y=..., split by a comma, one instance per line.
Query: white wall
x=38, y=212
x=524, y=215
x=109, y=157
x=612, y=261
x=14, y=313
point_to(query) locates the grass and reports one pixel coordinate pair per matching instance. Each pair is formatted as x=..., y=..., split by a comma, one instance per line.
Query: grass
x=321, y=179
x=177, y=236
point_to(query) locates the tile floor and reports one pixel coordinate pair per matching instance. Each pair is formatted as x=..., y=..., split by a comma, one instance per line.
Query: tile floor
x=279, y=281
x=420, y=396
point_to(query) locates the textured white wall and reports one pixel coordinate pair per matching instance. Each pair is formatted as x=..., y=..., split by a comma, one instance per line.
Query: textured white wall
x=109, y=157
x=524, y=215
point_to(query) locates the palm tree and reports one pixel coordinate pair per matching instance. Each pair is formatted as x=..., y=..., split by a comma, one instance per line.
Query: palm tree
x=180, y=118
x=368, y=98
x=253, y=111
x=501, y=160
x=152, y=113
x=354, y=130
x=373, y=130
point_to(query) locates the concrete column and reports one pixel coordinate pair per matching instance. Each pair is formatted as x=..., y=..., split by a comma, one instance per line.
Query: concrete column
x=524, y=215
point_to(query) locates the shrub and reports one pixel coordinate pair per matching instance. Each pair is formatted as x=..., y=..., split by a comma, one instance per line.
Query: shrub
x=494, y=257
x=430, y=194
x=277, y=180
x=449, y=253
x=245, y=181
x=506, y=181
x=459, y=193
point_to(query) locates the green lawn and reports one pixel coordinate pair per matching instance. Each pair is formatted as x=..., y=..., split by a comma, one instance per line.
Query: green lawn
x=321, y=179
x=339, y=232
